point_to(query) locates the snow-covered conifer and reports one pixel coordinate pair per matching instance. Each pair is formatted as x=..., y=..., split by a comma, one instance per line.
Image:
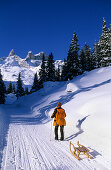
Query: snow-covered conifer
x=73, y=58
x=82, y=63
x=2, y=90
x=9, y=89
x=104, y=46
x=20, y=89
x=57, y=74
x=35, y=85
x=42, y=73
x=97, y=56
x=88, y=58
x=64, y=71
x=13, y=89
x=50, y=69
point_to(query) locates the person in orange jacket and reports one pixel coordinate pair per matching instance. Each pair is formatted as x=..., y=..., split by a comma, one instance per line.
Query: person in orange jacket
x=59, y=120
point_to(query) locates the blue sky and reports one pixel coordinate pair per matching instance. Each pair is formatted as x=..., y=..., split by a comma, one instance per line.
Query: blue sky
x=48, y=25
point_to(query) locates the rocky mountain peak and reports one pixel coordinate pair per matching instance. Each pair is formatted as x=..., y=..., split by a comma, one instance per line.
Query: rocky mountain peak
x=12, y=53
x=30, y=55
x=38, y=56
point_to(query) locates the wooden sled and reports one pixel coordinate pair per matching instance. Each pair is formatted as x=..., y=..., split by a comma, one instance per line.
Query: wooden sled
x=78, y=150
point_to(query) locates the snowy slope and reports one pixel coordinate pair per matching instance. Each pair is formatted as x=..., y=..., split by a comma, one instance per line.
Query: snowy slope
x=30, y=143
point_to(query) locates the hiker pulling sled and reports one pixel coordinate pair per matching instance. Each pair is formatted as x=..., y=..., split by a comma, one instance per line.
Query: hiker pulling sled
x=59, y=120
x=78, y=150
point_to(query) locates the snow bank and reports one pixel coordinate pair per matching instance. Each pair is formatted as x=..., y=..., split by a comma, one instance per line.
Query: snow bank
x=97, y=127
x=71, y=87
x=95, y=77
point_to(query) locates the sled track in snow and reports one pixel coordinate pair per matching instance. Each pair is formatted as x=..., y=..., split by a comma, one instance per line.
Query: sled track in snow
x=28, y=149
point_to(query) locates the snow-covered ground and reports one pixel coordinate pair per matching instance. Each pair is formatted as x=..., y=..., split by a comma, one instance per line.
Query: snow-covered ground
x=28, y=134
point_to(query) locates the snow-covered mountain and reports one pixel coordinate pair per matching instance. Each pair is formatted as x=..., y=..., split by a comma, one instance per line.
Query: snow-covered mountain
x=11, y=66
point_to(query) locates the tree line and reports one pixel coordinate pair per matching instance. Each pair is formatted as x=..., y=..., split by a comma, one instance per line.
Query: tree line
x=77, y=62
x=46, y=73
x=84, y=59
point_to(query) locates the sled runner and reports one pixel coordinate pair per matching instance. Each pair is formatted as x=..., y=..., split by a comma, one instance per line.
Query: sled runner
x=78, y=150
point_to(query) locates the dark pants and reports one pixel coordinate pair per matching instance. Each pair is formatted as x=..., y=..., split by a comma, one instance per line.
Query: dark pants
x=61, y=131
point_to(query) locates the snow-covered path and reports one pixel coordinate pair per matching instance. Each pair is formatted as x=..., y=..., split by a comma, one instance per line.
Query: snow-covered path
x=29, y=148
x=27, y=151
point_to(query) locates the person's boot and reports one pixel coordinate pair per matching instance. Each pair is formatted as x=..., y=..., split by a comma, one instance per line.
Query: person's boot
x=56, y=138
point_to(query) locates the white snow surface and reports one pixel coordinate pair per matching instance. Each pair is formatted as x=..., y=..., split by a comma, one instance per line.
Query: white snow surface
x=28, y=134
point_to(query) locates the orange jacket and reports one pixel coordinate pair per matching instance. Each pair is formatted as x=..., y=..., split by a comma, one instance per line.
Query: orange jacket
x=59, y=115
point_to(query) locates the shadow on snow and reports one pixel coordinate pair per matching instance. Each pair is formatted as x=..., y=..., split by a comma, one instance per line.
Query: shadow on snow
x=79, y=128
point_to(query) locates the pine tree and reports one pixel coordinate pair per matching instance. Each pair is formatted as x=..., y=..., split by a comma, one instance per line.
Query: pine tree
x=35, y=85
x=104, y=46
x=92, y=61
x=13, y=89
x=97, y=56
x=57, y=74
x=2, y=90
x=88, y=57
x=82, y=61
x=20, y=89
x=110, y=36
x=42, y=73
x=64, y=71
x=73, y=58
x=9, y=89
x=109, y=44
x=50, y=69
